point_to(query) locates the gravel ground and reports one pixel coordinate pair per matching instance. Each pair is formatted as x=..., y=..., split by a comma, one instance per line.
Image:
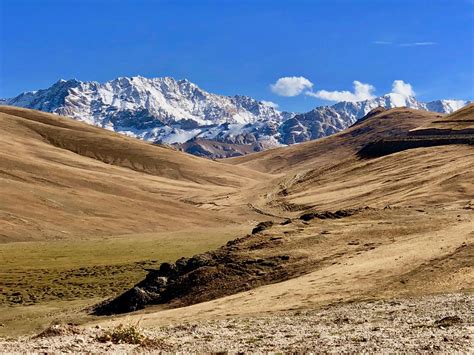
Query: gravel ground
x=434, y=324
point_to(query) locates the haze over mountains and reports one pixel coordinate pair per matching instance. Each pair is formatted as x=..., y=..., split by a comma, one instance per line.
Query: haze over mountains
x=178, y=112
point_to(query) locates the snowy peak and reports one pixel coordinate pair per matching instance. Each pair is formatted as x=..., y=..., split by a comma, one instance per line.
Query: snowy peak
x=45, y=100
x=164, y=100
x=356, y=110
x=165, y=110
x=446, y=106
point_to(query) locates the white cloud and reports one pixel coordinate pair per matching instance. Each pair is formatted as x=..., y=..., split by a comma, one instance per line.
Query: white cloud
x=406, y=44
x=415, y=44
x=361, y=92
x=402, y=88
x=269, y=103
x=291, y=86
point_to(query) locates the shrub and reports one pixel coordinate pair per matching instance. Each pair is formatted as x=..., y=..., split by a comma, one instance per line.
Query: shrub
x=132, y=334
x=122, y=334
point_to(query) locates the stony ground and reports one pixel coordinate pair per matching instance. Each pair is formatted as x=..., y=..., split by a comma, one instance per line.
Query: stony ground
x=434, y=324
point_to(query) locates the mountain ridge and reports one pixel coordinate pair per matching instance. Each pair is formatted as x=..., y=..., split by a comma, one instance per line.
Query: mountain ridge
x=169, y=111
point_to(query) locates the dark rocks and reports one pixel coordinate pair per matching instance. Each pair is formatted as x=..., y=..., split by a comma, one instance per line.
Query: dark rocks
x=167, y=268
x=308, y=216
x=448, y=321
x=392, y=145
x=132, y=300
x=262, y=226
x=327, y=215
x=181, y=264
x=201, y=278
x=200, y=260
x=269, y=263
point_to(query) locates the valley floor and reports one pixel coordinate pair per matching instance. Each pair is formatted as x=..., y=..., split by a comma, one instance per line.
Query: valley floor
x=435, y=324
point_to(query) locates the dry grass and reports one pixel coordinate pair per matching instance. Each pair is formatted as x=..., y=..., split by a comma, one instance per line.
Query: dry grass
x=459, y=122
x=48, y=281
x=123, y=334
x=376, y=254
x=61, y=179
x=131, y=334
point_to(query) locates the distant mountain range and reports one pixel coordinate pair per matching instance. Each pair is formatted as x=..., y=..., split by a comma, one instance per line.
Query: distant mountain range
x=179, y=113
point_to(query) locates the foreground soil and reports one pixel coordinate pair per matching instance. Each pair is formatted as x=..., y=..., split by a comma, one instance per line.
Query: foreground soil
x=434, y=324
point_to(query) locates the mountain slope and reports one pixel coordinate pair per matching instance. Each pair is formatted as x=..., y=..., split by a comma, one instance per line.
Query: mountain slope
x=328, y=150
x=164, y=110
x=69, y=174
x=316, y=171
x=459, y=122
x=61, y=179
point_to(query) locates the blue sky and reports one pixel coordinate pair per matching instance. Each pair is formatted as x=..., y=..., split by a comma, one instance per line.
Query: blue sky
x=242, y=47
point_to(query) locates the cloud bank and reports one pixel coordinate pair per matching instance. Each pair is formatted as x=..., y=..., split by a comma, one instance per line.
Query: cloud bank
x=362, y=91
x=402, y=88
x=291, y=86
x=294, y=86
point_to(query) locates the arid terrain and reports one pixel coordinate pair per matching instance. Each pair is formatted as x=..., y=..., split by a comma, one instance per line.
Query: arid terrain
x=428, y=324
x=315, y=245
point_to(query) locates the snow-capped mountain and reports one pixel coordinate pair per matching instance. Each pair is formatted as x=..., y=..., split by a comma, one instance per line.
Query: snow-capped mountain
x=165, y=110
x=161, y=110
x=325, y=120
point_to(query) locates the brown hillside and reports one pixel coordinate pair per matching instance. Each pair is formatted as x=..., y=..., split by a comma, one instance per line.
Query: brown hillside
x=459, y=122
x=328, y=174
x=330, y=150
x=61, y=178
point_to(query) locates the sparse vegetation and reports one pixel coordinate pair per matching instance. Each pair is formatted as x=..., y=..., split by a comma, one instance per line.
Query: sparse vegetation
x=131, y=334
x=387, y=327
x=122, y=334
x=58, y=279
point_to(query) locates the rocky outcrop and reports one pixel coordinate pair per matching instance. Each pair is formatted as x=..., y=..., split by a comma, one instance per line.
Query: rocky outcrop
x=390, y=146
x=203, y=277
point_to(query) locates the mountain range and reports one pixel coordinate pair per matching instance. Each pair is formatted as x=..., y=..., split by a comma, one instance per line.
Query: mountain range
x=179, y=113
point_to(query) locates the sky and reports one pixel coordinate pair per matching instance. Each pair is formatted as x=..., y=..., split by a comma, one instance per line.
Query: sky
x=295, y=54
